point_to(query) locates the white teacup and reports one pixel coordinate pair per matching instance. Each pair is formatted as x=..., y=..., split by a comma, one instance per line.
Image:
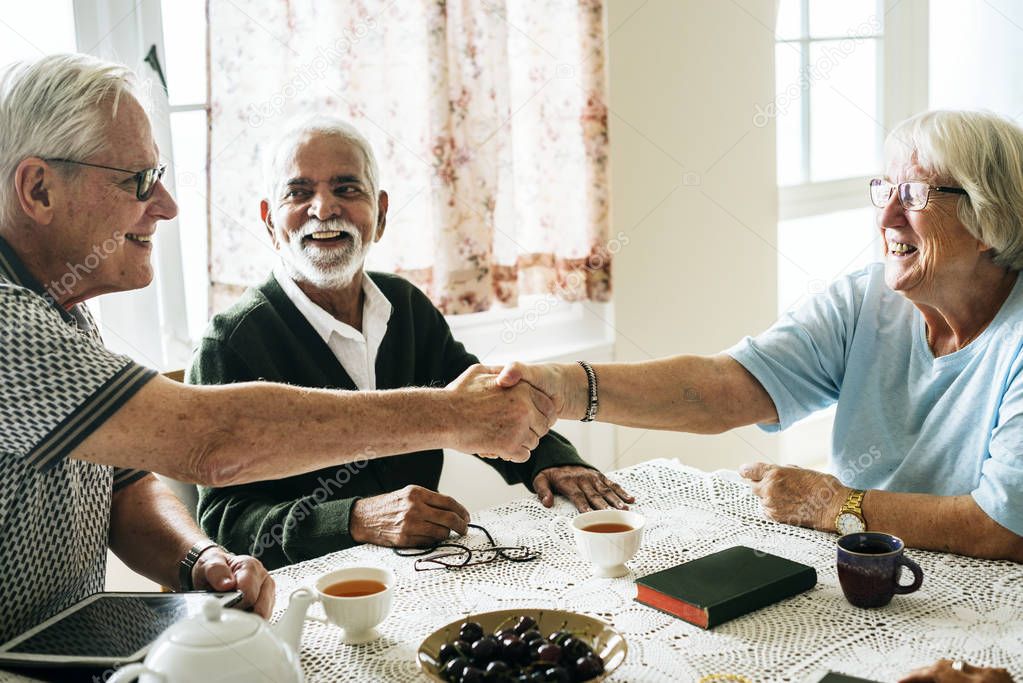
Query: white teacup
x=608, y=552
x=358, y=616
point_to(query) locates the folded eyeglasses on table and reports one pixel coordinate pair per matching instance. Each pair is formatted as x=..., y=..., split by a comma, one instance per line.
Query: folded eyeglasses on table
x=458, y=555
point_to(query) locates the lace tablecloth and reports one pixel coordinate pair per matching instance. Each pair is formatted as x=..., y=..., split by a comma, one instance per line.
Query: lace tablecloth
x=969, y=609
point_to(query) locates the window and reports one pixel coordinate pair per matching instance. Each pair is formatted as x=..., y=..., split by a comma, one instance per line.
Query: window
x=845, y=74
x=184, y=36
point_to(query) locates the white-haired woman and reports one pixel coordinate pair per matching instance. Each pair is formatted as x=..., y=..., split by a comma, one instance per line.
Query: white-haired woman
x=921, y=353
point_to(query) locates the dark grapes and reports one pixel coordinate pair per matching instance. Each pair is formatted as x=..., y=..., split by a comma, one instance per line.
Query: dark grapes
x=470, y=632
x=515, y=649
x=472, y=675
x=497, y=672
x=484, y=649
x=574, y=648
x=532, y=636
x=555, y=674
x=549, y=653
x=520, y=654
x=452, y=671
x=525, y=624
x=588, y=667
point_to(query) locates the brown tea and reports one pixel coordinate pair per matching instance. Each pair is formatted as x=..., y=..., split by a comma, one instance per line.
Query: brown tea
x=608, y=528
x=355, y=588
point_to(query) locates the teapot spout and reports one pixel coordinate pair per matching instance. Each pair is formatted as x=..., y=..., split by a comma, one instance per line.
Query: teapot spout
x=289, y=628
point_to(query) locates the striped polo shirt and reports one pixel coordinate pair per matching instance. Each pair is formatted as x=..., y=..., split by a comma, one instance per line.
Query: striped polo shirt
x=58, y=383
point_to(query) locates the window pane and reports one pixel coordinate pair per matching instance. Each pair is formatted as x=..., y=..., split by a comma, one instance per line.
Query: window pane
x=833, y=19
x=816, y=250
x=789, y=20
x=788, y=111
x=845, y=133
x=31, y=30
x=184, y=40
x=188, y=130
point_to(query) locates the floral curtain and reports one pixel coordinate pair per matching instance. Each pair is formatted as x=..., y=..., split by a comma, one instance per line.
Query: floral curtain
x=489, y=122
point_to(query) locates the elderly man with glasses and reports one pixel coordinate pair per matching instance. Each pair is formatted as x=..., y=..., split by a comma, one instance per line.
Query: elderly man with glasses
x=321, y=320
x=81, y=426
x=922, y=355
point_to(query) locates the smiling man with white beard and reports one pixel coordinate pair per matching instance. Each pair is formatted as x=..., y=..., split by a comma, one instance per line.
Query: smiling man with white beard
x=322, y=321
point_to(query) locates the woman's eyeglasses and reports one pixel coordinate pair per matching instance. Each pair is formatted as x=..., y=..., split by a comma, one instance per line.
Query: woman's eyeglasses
x=461, y=556
x=913, y=194
x=145, y=180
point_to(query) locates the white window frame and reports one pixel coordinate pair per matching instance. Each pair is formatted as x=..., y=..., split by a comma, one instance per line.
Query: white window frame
x=149, y=324
x=902, y=90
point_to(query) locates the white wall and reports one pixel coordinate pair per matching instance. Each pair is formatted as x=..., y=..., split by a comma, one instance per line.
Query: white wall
x=693, y=185
x=976, y=49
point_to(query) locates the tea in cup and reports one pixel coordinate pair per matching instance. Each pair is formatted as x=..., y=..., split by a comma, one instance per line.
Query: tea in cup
x=356, y=599
x=870, y=565
x=608, y=539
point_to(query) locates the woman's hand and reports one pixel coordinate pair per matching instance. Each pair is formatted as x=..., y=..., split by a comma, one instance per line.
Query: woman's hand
x=793, y=495
x=944, y=672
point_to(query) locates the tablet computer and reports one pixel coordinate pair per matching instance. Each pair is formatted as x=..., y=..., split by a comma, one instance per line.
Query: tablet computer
x=105, y=629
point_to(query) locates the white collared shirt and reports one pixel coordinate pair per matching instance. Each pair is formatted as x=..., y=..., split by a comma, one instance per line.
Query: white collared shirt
x=355, y=350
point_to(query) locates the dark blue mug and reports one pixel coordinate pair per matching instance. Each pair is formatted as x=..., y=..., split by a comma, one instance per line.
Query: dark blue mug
x=870, y=565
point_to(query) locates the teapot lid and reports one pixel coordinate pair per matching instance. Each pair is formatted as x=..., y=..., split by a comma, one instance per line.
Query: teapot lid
x=215, y=627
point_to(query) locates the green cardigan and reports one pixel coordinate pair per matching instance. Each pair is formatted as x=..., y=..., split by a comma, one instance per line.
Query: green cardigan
x=264, y=337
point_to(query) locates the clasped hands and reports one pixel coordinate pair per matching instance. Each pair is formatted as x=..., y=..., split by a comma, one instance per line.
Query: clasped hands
x=506, y=412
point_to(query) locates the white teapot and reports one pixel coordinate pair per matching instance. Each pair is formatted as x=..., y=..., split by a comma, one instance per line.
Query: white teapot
x=226, y=646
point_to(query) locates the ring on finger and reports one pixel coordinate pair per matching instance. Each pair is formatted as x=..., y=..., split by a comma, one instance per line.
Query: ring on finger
x=958, y=665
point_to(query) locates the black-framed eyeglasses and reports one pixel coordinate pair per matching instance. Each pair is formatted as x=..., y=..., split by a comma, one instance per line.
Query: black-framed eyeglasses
x=912, y=194
x=461, y=556
x=145, y=180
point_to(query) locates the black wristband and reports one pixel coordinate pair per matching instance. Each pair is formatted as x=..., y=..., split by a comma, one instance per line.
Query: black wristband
x=591, y=381
x=186, y=565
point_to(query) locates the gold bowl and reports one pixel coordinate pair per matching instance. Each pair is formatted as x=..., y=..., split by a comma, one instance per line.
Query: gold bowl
x=605, y=641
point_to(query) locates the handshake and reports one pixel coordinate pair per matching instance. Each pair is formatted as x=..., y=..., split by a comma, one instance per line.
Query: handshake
x=504, y=412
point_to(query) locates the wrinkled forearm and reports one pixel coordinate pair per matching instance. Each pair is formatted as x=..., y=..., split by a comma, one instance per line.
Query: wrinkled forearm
x=952, y=524
x=233, y=434
x=700, y=394
x=150, y=530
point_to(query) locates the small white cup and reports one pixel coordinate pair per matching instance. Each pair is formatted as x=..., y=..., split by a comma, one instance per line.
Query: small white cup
x=359, y=616
x=608, y=552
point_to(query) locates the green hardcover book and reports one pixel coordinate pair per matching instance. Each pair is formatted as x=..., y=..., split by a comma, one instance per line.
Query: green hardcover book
x=711, y=590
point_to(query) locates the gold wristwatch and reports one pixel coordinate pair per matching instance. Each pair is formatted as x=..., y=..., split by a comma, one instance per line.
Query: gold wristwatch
x=850, y=518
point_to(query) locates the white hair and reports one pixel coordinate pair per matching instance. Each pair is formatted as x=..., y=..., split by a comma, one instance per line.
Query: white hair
x=49, y=109
x=282, y=149
x=982, y=153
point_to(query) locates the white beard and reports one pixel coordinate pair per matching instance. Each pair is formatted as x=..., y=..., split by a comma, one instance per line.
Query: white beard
x=334, y=269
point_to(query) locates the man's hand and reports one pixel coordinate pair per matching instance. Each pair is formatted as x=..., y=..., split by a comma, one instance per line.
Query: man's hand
x=793, y=495
x=412, y=517
x=506, y=422
x=587, y=488
x=942, y=672
x=564, y=383
x=220, y=571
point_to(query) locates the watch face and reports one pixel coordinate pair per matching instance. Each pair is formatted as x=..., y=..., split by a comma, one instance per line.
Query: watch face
x=848, y=523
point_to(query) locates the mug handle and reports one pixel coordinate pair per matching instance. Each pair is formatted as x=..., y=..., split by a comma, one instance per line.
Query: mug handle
x=918, y=576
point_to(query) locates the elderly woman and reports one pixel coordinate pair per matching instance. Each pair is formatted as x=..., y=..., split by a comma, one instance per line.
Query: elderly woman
x=921, y=353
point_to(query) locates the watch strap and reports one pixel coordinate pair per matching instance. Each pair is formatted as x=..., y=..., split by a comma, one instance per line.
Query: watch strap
x=853, y=505
x=188, y=563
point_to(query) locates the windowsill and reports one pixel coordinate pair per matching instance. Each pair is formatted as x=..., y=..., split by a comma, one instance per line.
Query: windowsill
x=538, y=330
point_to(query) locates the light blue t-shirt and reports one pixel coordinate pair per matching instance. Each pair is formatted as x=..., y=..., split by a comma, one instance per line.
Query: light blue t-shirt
x=905, y=421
